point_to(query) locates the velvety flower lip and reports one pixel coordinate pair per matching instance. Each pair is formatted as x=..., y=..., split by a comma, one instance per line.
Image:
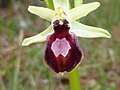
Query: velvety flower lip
x=62, y=51
x=63, y=30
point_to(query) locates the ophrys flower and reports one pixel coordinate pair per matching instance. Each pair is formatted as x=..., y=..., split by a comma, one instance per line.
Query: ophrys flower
x=62, y=51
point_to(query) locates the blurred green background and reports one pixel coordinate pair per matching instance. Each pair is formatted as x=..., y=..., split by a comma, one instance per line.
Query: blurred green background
x=23, y=68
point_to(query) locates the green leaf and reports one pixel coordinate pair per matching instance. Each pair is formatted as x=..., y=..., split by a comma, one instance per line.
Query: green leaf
x=83, y=10
x=61, y=3
x=85, y=31
x=44, y=13
x=41, y=37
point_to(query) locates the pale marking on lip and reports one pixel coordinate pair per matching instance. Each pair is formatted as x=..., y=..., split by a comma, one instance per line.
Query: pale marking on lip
x=60, y=46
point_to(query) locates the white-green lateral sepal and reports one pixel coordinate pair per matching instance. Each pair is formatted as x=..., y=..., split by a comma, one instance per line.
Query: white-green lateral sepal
x=85, y=31
x=41, y=37
x=62, y=3
x=44, y=13
x=83, y=10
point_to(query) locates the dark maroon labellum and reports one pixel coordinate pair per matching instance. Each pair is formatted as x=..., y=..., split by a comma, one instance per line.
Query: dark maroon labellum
x=62, y=50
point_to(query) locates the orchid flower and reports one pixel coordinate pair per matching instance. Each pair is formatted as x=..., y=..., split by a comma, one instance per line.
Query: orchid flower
x=62, y=51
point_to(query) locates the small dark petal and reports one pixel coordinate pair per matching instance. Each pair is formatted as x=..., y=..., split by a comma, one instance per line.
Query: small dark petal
x=62, y=50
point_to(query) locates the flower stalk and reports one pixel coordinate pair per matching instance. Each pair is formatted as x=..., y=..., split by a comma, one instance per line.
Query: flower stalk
x=74, y=79
x=74, y=76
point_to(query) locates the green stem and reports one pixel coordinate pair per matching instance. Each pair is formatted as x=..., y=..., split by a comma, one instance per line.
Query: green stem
x=74, y=80
x=74, y=75
x=49, y=4
x=17, y=63
x=16, y=74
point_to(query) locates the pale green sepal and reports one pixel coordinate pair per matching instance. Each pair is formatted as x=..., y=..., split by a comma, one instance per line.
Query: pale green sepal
x=61, y=3
x=44, y=13
x=41, y=37
x=85, y=31
x=83, y=10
